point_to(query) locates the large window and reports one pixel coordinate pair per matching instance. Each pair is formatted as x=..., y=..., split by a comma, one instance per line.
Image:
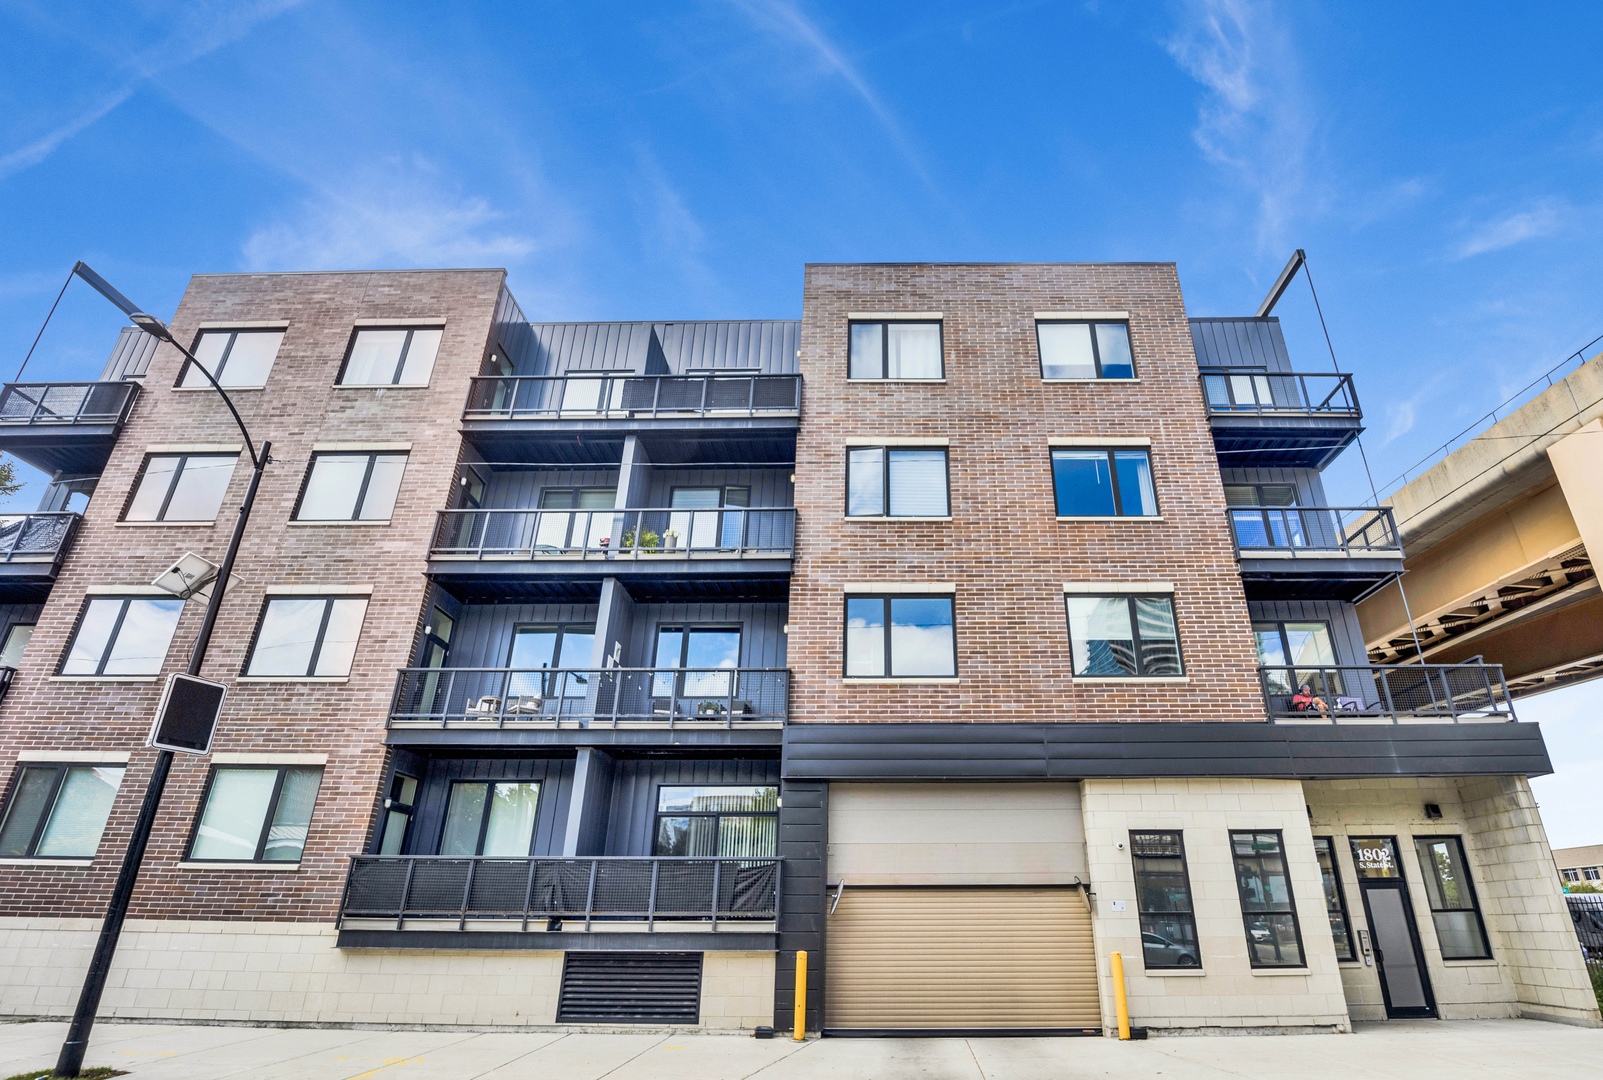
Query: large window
x=1273, y=936
x=1085, y=350
x=1453, y=907
x=1341, y=930
x=706, y=656
x=1121, y=636
x=885, y=481
x=1103, y=483
x=239, y=359
x=391, y=357
x=58, y=811
x=896, y=350
x=351, y=487
x=122, y=635
x=307, y=637
x=536, y=649
x=16, y=641
x=255, y=813
x=1163, y=900
x=1297, y=654
x=729, y=821
x=900, y=637
x=181, y=487
x=491, y=818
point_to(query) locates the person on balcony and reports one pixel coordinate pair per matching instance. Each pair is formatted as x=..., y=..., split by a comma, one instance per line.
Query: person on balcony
x=1304, y=700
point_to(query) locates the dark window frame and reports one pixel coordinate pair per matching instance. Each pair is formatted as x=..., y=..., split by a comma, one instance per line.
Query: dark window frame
x=172, y=486
x=1113, y=479
x=222, y=361
x=716, y=815
x=1291, y=897
x=394, y=804
x=1185, y=876
x=61, y=768
x=1469, y=887
x=885, y=348
x=317, y=643
x=111, y=637
x=885, y=479
x=1259, y=498
x=267, y=818
x=361, y=492
x=1096, y=349
x=484, y=819
x=1135, y=632
x=400, y=362
x=886, y=598
x=1341, y=909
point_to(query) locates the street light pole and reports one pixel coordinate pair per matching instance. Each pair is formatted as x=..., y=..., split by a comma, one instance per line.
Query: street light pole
x=70, y=1062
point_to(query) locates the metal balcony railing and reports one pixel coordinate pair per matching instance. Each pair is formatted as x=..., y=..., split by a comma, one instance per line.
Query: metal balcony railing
x=41, y=537
x=1254, y=391
x=730, y=533
x=41, y=404
x=7, y=674
x=610, y=396
x=568, y=697
x=1394, y=692
x=1314, y=530
x=438, y=888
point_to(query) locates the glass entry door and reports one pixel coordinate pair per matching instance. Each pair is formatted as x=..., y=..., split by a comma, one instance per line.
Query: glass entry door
x=1403, y=982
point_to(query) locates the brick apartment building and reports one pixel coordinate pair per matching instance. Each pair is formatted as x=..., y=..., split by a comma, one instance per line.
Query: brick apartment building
x=985, y=622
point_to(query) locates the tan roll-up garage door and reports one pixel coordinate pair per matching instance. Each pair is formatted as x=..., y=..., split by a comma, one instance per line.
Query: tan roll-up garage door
x=958, y=959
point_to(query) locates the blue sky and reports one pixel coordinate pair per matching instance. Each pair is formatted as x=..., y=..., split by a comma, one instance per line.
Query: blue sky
x=1439, y=163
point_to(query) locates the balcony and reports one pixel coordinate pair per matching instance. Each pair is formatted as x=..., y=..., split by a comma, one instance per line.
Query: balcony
x=544, y=898
x=1388, y=693
x=64, y=426
x=1314, y=552
x=1274, y=419
x=32, y=547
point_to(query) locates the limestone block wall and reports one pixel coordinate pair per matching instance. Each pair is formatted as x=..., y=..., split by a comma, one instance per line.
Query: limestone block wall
x=1226, y=992
x=277, y=972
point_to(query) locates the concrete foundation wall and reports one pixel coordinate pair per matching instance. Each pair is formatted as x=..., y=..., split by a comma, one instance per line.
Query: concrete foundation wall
x=291, y=973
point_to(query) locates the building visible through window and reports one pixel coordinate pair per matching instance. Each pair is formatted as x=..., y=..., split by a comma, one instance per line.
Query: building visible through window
x=730, y=821
x=1453, y=907
x=1270, y=916
x=1335, y=898
x=1118, y=636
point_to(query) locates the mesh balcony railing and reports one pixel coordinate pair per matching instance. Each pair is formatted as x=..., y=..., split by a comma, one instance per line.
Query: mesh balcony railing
x=39, y=404
x=731, y=532
x=1254, y=391
x=1314, y=530
x=1394, y=692
x=595, y=395
x=41, y=537
x=439, y=888
x=564, y=697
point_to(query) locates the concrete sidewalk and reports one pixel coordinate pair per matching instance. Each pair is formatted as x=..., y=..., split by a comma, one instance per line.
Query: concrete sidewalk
x=1465, y=1050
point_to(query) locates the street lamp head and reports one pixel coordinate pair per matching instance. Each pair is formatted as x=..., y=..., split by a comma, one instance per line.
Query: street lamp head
x=152, y=326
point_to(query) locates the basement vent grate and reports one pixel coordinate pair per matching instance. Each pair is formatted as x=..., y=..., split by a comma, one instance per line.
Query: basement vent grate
x=630, y=988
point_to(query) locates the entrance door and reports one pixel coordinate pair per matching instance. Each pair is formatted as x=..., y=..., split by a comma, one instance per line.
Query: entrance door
x=1398, y=957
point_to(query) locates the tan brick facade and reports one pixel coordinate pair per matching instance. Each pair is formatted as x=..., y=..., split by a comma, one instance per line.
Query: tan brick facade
x=1004, y=548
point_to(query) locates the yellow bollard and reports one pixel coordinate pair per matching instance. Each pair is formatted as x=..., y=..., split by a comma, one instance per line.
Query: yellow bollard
x=799, y=1025
x=1120, y=1005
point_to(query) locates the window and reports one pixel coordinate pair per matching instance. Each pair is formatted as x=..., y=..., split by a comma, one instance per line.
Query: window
x=698, y=520
x=706, y=658
x=900, y=637
x=307, y=636
x=397, y=357
x=122, y=635
x=490, y=818
x=1453, y=908
x=1163, y=900
x=255, y=813
x=351, y=487
x=235, y=358
x=1294, y=654
x=886, y=481
x=576, y=522
x=561, y=647
x=1572, y=875
x=1266, y=516
x=1084, y=350
x=1128, y=635
x=1273, y=936
x=1103, y=483
x=1592, y=873
x=398, y=808
x=17, y=639
x=1341, y=930
x=726, y=821
x=896, y=350
x=58, y=811
x=181, y=487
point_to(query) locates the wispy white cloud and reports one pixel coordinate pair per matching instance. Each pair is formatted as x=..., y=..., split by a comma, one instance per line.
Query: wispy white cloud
x=1255, y=120
x=1533, y=223
x=669, y=228
x=32, y=154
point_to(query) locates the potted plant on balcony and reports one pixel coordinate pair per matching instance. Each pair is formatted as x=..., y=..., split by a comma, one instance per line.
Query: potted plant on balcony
x=648, y=540
x=670, y=540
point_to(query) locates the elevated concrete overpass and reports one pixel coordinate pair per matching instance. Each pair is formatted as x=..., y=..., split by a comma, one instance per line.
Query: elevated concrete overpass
x=1499, y=540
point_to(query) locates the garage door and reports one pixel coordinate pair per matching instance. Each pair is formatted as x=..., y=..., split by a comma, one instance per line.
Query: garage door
x=964, y=959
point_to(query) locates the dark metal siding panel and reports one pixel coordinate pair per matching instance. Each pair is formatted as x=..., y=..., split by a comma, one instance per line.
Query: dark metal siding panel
x=630, y=988
x=556, y=785
x=513, y=335
x=762, y=633
x=768, y=345
x=130, y=356
x=803, y=900
x=520, y=489
x=12, y=614
x=1180, y=749
x=483, y=635
x=769, y=487
x=1345, y=636
x=633, y=816
x=1310, y=487
x=1240, y=343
